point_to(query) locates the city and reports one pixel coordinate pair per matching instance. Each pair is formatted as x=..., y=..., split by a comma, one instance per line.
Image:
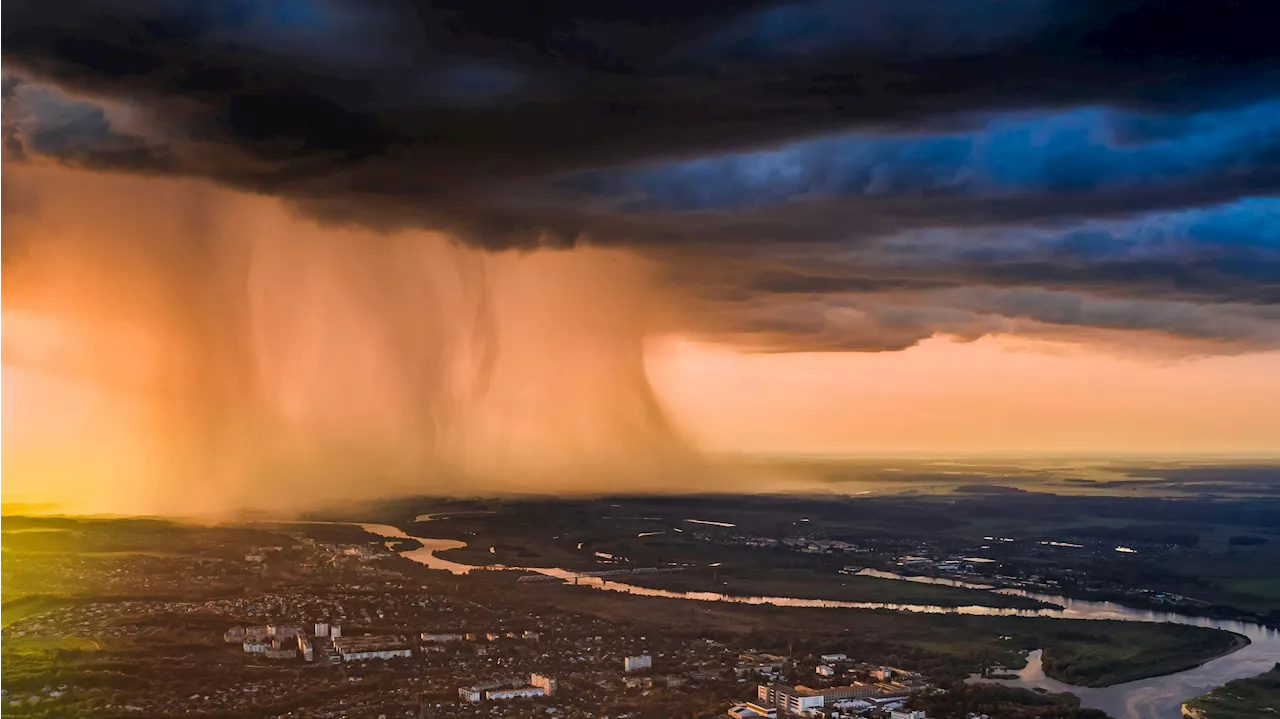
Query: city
x=332, y=620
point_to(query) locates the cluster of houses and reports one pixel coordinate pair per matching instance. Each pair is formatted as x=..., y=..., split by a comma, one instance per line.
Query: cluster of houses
x=277, y=642
x=272, y=641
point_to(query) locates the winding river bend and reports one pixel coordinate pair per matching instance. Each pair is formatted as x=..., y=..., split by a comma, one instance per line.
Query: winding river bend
x=1154, y=698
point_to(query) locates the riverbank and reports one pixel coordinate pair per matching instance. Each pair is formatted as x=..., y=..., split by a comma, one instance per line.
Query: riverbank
x=841, y=588
x=1254, y=698
x=955, y=644
x=1132, y=601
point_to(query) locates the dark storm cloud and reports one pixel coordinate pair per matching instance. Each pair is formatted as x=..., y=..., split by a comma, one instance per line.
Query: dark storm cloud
x=1049, y=156
x=888, y=29
x=1208, y=274
x=13, y=150
x=895, y=321
x=42, y=121
x=12, y=146
x=1229, y=253
x=9, y=86
x=483, y=93
x=1002, y=170
x=861, y=161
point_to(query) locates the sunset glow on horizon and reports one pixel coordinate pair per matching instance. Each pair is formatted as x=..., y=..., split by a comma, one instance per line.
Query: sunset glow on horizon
x=994, y=395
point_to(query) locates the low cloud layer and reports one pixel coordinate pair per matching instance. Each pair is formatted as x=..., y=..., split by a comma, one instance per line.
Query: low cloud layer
x=806, y=175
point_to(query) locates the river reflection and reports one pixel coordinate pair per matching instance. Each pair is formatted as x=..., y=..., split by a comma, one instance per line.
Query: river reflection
x=1155, y=698
x=427, y=553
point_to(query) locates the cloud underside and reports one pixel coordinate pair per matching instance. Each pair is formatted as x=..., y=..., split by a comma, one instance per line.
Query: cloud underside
x=812, y=175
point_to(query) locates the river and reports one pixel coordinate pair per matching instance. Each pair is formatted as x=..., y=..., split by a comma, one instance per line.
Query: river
x=1154, y=698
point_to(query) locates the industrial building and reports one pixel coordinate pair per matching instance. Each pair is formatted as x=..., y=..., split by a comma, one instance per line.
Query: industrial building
x=519, y=693
x=538, y=685
x=353, y=649
x=800, y=699
x=470, y=694
x=637, y=663
x=752, y=663
x=476, y=692
x=751, y=710
x=441, y=638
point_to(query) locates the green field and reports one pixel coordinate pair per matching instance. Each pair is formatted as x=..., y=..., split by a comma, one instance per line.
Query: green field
x=22, y=607
x=1255, y=698
x=1129, y=653
x=32, y=663
x=1264, y=588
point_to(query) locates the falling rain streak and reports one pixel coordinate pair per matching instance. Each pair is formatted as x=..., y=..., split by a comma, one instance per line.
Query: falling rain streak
x=207, y=351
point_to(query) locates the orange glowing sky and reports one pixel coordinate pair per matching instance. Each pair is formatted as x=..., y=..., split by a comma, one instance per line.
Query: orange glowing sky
x=992, y=395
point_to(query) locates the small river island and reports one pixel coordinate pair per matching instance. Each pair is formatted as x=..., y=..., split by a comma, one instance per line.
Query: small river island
x=1130, y=652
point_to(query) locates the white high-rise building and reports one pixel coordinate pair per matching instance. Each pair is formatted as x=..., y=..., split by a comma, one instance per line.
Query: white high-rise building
x=322, y=629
